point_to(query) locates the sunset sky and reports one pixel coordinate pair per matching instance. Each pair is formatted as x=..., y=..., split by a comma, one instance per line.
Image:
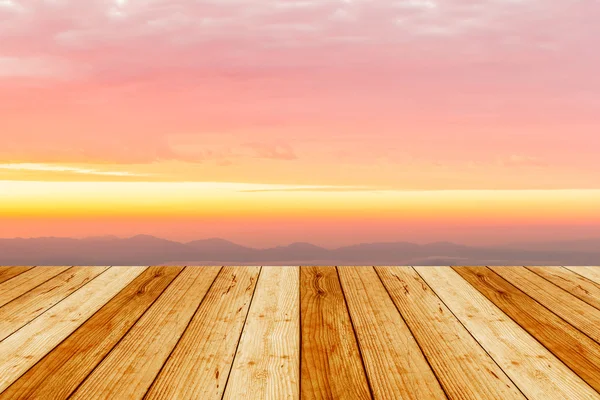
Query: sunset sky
x=328, y=121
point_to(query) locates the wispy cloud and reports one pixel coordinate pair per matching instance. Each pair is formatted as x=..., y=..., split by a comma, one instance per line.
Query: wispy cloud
x=35, y=67
x=314, y=189
x=62, y=168
x=520, y=160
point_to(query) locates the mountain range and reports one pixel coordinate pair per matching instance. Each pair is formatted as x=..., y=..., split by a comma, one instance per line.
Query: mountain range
x=150, y=250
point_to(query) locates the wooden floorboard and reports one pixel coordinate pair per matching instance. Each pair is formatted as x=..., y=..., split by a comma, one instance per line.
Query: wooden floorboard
x=574, y=348
x=28, y=306
x=463, y=367
x=267, y=364
x=396, y=367
x=591, y=273
x=532, y=367
x=577, y=285
x=145, y=348
x=567, y=306
x=199, y=366
x=23, y=283
x=7, y=273
x=331, y=363
x=58, y=374
x=28, y=345
x=171, y=332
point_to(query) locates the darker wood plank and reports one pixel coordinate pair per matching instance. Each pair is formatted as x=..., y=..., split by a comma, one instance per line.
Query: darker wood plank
x=59, y=373
x=331, y=362
x=573, y=310
x=576, y=350
x=572, y=282
x=7, y=273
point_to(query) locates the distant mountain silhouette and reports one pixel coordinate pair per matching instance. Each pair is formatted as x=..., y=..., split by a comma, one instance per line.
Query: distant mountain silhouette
x=150, y=250
x=585, y=245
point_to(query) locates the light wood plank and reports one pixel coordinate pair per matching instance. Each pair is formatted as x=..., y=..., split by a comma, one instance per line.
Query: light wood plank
x=130, y=368
x=463, y=367
x=396, y=367
x=7, y=273
x=532, y=367
x=27, y=307
x=267, y=362
x=577, y=312
x=577, y=285
x=27, y=346
x=591, y=273
x=575, y=349
x=331, y=362
x=23, y=283
x=58, y=374
x=199, y=365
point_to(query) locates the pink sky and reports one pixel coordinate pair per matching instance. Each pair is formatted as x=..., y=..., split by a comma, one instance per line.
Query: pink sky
x=388, y=95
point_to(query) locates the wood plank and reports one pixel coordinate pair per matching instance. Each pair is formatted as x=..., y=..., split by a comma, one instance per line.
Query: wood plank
x=267, y=362
x=577, y=285
x=575, y=349
x=395, y=365
x=199, y=365
x=331, y=363
x=463, y=367
x=21, y=350
x=591, y=273
x=7, y=273
x=130, y=368
x=58, y=374
x=576, y=312
x=27, y=307
x=23, y=283
x=532, y=367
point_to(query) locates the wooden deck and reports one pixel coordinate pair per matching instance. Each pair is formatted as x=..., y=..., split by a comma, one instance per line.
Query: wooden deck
x=300, y=332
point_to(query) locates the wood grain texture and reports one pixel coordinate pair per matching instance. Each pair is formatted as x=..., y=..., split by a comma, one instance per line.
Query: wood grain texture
x=28, y=306
x=532, y=367
x=591, y=273
x=130, y=368
x=21, y=350
x=199, y=365
x=331, y=362
x=577, y=285
x=23, y=283
x=573, y=310
x=7, y=273
x=575, y=349
x=395, y=365
x=58, y=374
x=463, y=367
x=266, y=365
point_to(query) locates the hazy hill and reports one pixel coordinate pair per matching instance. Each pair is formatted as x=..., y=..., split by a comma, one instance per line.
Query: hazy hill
x=147, y=250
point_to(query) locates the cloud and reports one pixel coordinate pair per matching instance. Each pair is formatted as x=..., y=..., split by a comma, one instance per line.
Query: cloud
x=271, y=151
x=35, y=67
x=62, y=168
x=224, y=149
x=320, y=189
x=519, y=160
x=196, y=34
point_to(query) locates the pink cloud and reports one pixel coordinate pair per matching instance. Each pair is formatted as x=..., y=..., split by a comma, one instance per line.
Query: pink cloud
x=363, y=83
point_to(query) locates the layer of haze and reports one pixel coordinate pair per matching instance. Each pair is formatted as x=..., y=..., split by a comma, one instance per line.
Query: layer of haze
x=333, y=122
